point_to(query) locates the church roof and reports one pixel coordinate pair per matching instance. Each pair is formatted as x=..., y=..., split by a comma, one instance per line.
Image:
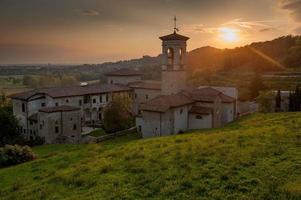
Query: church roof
x=174, y=36
x=165, y=102
x=146, y=84
x=69, y=91
x=58, y=109
x=186, y=97
x=124, y=72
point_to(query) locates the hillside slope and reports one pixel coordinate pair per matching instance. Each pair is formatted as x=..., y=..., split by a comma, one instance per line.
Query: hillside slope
x=258, y=157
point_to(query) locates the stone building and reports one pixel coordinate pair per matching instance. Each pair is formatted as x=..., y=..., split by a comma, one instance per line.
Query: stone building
x=84, y=104
x=173, y=107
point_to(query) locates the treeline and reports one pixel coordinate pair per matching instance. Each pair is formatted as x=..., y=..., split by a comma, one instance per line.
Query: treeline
x=48, y=81
x=262, y=56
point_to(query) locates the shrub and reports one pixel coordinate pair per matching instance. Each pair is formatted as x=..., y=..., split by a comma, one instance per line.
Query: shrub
x=15, y=154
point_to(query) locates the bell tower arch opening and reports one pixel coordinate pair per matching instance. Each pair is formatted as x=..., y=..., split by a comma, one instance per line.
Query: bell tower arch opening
x=173, y=62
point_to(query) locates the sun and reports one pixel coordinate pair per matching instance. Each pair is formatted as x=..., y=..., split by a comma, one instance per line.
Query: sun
x=228, y=34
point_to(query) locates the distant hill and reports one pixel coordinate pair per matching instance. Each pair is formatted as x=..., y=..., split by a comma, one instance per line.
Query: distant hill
x=258, y=157
x=283, y=52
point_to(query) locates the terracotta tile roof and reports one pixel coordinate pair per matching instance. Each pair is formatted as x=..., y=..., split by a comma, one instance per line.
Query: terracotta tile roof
x=58, y=109
x=163, y=103
x=204, y=94
x=208, y=94
x=146, y=84
x=227, y=99
x=174, y=36
x=185, y=97
x=201, y=110
x=124, y=72
x=68, y=91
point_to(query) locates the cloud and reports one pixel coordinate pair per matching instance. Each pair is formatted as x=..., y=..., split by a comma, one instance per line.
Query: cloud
x=294, y=8
x=267, y=30
x=89, y=12
x=235, y=24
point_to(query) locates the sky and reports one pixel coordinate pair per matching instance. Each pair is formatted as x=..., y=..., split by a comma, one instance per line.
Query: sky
x=96, y=31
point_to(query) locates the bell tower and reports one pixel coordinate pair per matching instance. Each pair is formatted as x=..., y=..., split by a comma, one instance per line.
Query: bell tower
x=173, y=62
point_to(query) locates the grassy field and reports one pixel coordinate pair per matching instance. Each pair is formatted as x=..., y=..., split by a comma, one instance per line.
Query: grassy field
x=258, y=157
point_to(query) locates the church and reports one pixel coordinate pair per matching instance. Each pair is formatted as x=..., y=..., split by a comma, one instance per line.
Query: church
x=172, y=107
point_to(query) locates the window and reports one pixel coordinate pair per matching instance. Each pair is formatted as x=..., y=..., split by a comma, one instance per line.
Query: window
x=139, y=128
x=107, y=98
x=199, y=117
x=74, y=127
x=23, y=107
x=170, y=56
x=112, y=81
x=100, y=99
x=67, y=100
x=43, y=104
x=41, y=126
x=56, y=104
x=43, y=122
x=24, y=130
x=71, y=119
x=56, y=122
x=181, y=111
x=94, y=100
x=86, y=99
x=146, y=96
x=80, y=102
x=100, y=116
x=56, y=129
x=31, y=123
x=136, y=95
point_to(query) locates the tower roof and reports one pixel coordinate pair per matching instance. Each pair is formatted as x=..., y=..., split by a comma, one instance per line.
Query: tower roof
x=174, y=36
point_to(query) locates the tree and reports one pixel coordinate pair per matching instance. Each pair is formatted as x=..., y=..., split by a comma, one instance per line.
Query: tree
x=30, y=81
x=256, y=85
x=117, y=114
x=295, y=100
x=68, y=80
x=266, y=102
x=278, y=101
x=9, y=127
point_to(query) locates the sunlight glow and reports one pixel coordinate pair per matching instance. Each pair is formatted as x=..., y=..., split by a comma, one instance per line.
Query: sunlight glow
x=228, y=34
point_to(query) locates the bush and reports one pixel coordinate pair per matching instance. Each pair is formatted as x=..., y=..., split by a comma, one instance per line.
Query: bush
x=15, y=154
x=117, y=115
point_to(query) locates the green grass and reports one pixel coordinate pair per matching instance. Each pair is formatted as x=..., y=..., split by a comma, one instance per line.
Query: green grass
x=98, y=132
x=258, y=157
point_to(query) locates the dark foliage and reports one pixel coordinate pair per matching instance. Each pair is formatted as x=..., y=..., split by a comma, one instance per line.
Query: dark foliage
x=9, y=127
x=295, y=100
x=278, y=101
x=13, y=155
x=117, y=115
x=256, y=85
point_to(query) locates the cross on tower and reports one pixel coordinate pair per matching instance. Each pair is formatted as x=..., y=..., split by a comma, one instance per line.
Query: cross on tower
x=175, y=29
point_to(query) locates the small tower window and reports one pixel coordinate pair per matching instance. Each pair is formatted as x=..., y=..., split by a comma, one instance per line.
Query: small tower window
x=170, y=56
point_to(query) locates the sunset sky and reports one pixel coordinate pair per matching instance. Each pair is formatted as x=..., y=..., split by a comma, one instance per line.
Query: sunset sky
x=94, y=31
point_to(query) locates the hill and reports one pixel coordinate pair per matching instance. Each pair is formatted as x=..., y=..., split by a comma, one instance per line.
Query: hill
x=275, y=55
x=258, y=157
